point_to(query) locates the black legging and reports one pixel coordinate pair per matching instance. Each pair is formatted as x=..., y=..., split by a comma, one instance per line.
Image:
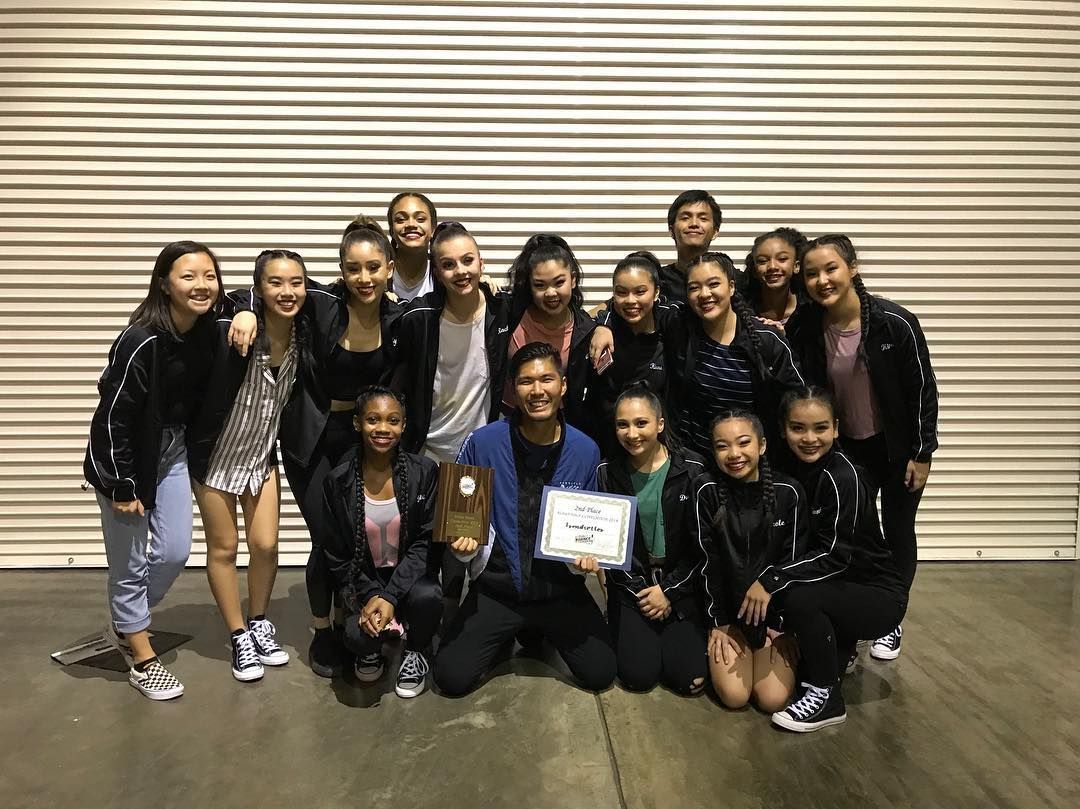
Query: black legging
x=421, y=608
x=829, y=617
x=306, y=483
x=671, y=651
x=898, y=505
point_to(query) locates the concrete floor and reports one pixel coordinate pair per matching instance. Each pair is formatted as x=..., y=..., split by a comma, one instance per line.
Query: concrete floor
x=982, y=710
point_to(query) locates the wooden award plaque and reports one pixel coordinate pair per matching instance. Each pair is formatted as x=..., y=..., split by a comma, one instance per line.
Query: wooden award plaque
x=463, y=503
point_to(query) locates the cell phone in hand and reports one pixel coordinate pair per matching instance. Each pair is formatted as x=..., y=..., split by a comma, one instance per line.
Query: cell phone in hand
x=604, y=362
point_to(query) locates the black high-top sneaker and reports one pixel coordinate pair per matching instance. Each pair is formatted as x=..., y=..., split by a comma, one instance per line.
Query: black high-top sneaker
x=817, y=708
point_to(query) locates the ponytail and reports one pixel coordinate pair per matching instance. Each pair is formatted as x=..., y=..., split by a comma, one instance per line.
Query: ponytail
x=365, y=230
x=538, y=249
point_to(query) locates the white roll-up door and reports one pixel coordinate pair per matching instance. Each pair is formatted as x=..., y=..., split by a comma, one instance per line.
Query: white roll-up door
x=942, y=138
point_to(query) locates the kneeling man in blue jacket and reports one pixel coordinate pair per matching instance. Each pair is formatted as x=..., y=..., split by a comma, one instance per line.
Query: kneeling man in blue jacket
x=512, y=591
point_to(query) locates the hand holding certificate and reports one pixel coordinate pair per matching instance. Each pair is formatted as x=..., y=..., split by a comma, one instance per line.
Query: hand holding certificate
x=575, y=524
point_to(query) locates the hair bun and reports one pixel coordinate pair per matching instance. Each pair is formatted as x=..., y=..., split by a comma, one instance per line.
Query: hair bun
x=364, y=222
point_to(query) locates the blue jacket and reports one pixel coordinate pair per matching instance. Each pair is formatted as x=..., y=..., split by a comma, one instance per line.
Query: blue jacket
x=491, y=446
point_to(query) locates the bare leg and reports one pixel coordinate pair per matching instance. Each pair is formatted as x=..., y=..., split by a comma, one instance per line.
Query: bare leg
x=774, y=679
x=218, y=510
x=733, y=682
x=261, y=526
x=140, y=645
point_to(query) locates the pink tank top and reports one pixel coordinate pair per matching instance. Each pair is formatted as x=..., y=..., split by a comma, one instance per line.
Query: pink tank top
x=382, y=521
x=529, y=331
x=849, y=378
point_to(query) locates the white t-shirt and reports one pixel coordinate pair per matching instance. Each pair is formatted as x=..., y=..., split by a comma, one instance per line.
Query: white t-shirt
x=407, y=293
x=462, y=395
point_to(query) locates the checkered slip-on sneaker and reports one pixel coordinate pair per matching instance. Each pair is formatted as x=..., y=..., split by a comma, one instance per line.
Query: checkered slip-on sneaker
x=155, y=681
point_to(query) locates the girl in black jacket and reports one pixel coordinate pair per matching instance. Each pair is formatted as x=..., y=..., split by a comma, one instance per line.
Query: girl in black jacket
x=637, y=354
x=233, y=458
x=453, y=347
x=749, y=519
x=382, y=503
x=872, y=355
x=654, y=609
x=136, y=457
x=354, y=330
x=547, y=306
x=724, y=359
x=461, y=327
x=719, y=359
x=774, y=284
x=845, y=587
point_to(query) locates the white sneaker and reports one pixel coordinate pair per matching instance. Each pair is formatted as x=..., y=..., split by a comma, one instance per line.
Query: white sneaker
x=267, y=649
x=246, y=665
x=412, y=676
x=119, y=643
x=155, y=681
x=888, y=647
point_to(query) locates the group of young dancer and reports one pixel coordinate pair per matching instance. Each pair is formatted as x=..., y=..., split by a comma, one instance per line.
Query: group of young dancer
x=756, y=414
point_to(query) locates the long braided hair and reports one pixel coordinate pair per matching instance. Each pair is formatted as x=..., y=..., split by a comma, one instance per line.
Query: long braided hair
x=846, y=250
x=747, y=318
x=401, y=481
x=765, y=473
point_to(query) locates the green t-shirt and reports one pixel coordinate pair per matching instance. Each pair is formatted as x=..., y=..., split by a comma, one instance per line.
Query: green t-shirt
x=648, y=488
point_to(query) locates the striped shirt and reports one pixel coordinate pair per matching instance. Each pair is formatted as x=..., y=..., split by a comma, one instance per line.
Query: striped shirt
x=721, y=381
x=241, y=458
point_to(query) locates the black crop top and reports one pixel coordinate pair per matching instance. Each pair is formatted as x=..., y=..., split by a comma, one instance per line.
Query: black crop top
x=347, y=372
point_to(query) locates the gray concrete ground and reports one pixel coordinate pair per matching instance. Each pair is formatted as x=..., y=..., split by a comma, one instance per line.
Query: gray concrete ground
x=981, y=710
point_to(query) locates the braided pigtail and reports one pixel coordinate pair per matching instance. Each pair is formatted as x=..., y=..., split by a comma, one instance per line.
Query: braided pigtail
x=749, y=322
x=360, y=541
x=866, y=301
x=768, y=490
x=401, y=494
x=720, y=518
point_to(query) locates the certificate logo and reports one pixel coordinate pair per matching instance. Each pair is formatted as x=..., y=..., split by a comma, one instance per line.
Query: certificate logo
x=467, y=486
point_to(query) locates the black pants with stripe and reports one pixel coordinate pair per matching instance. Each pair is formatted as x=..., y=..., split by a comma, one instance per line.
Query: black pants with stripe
x=829, y=617
x=898, y=506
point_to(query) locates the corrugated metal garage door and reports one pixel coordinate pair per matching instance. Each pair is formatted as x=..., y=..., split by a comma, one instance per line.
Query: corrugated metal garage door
x=943, y=140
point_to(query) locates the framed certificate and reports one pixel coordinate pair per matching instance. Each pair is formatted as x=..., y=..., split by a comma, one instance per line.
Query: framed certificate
x=574, y=523
x=463, y=504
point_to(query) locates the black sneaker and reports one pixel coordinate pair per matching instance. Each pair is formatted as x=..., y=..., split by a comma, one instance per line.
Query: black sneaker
x=369, y=668
x=817, y=708
x=325, y=652
x=267, y=649
x=412, y=677
x=888, y=647
x=849, y=667
x=246, y=665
